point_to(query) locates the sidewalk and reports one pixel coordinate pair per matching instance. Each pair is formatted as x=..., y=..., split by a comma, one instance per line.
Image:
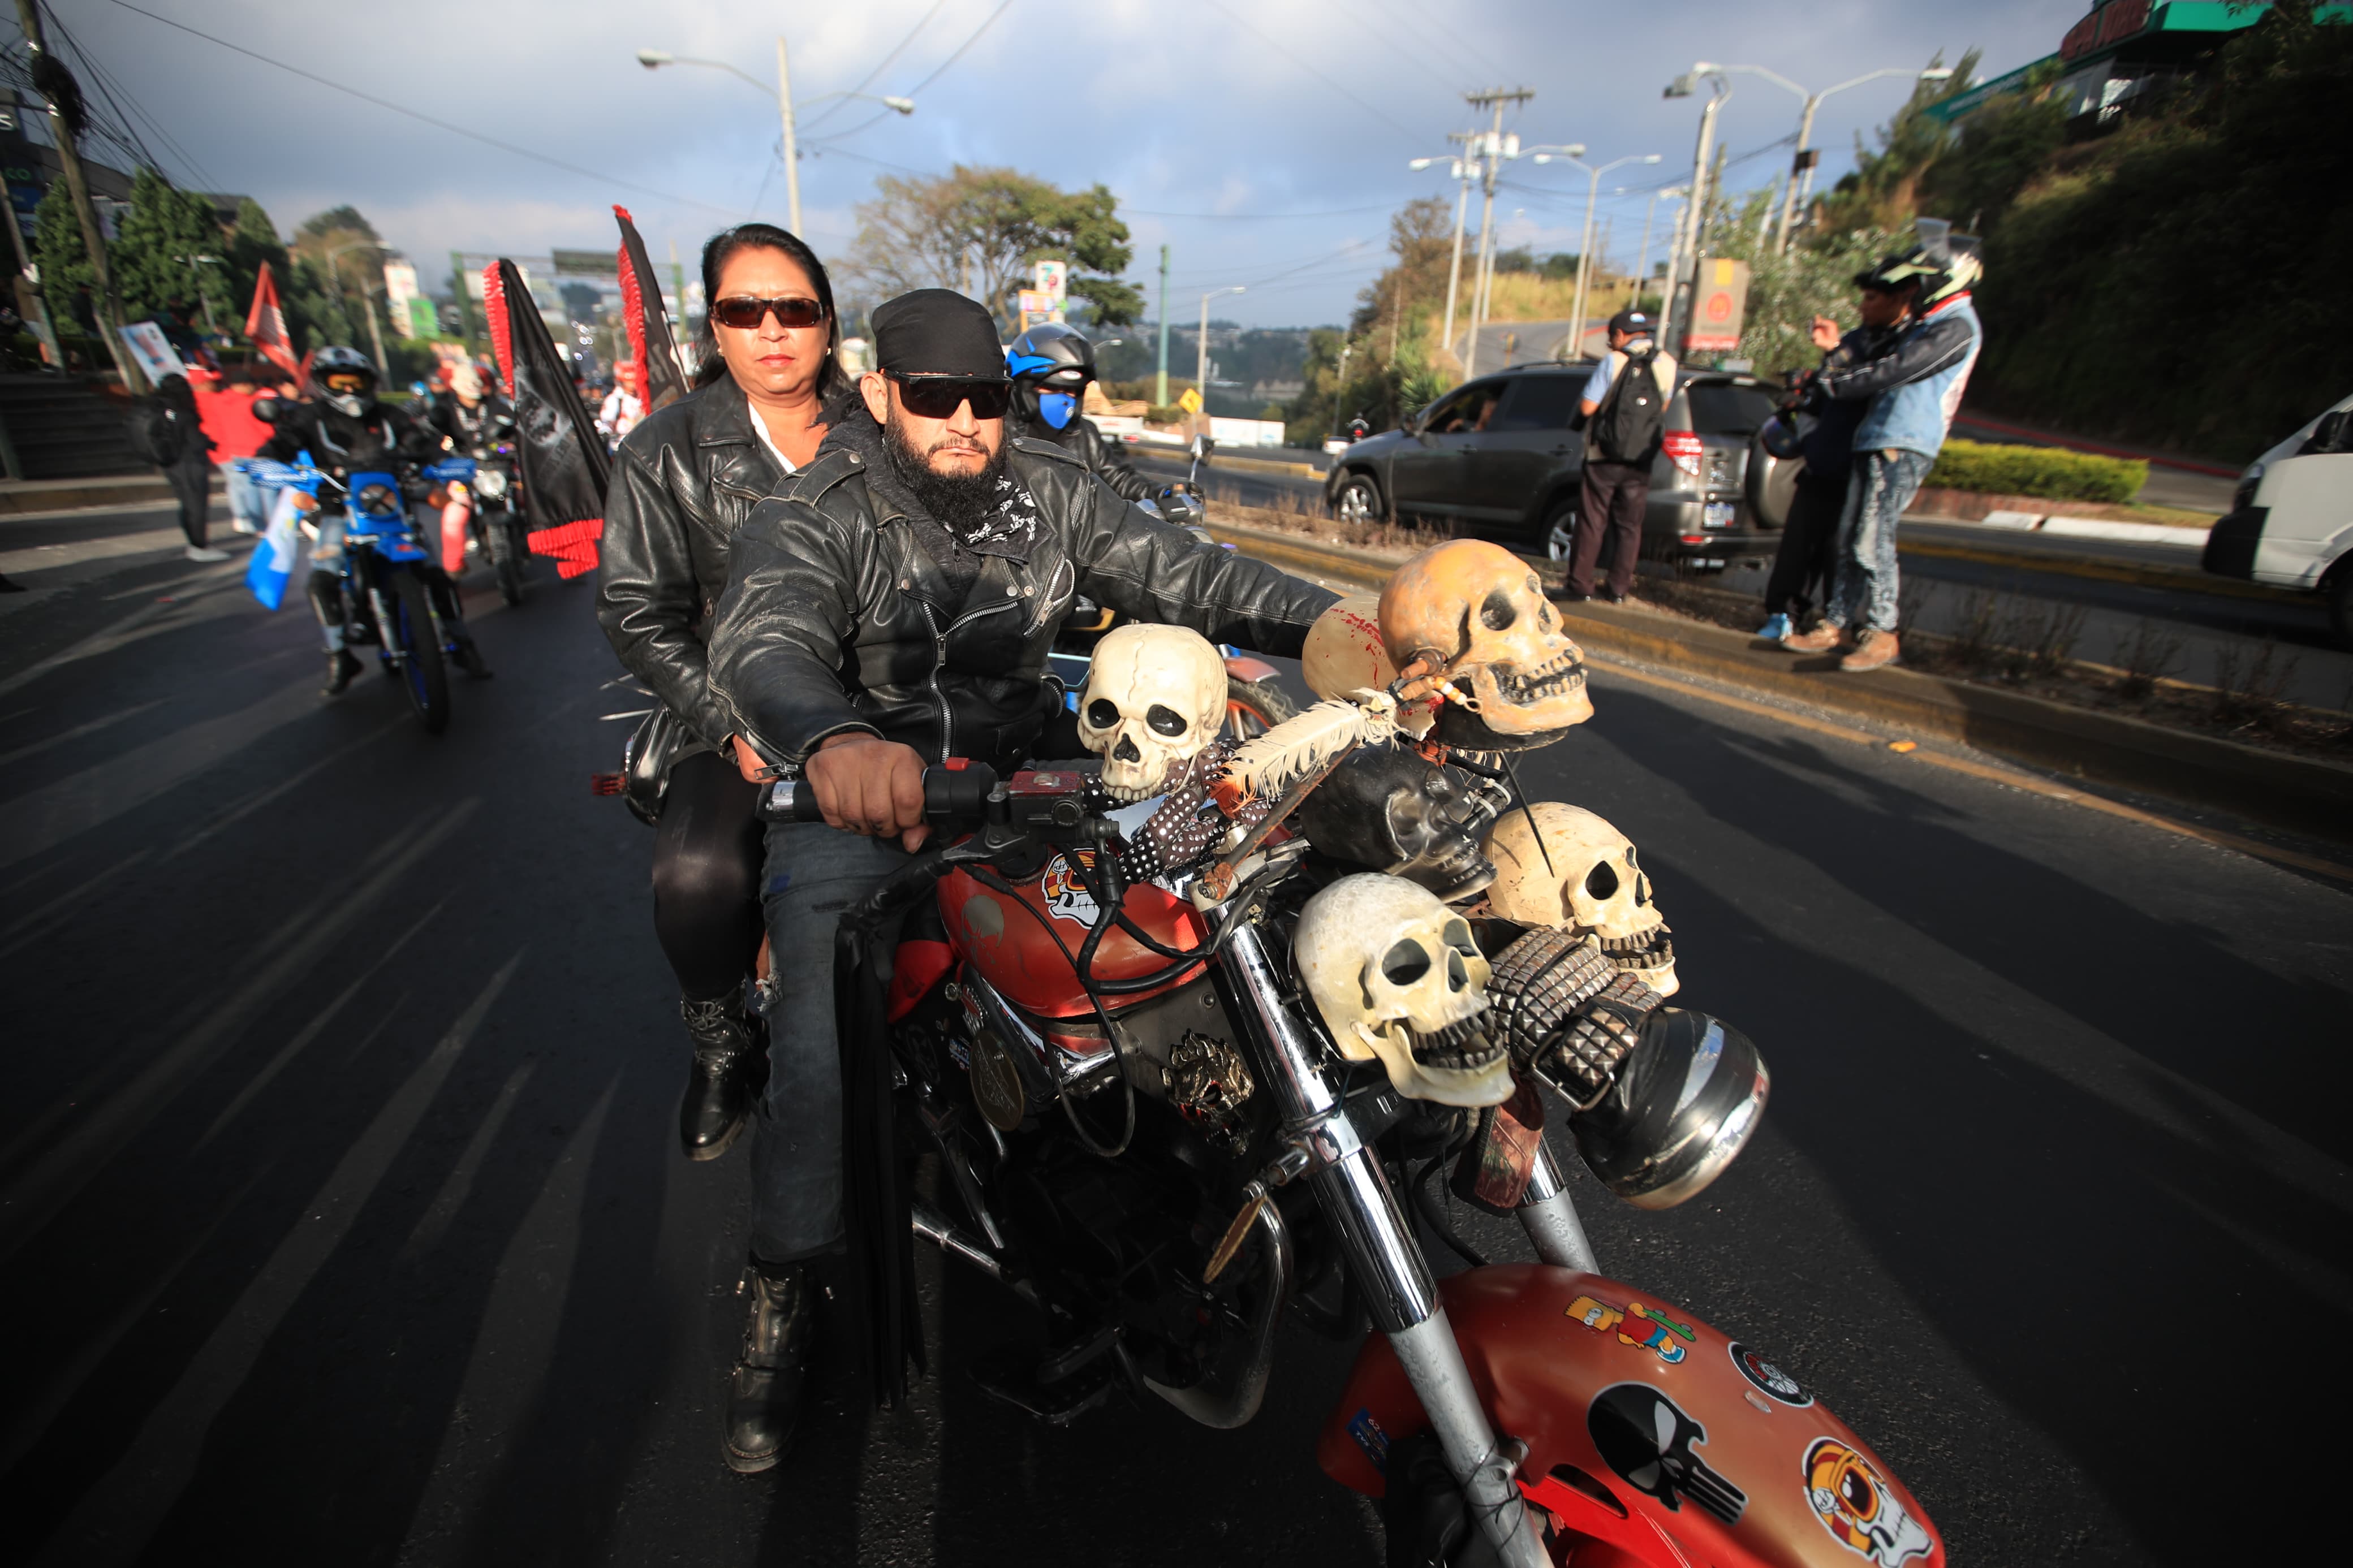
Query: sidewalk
x=66, y=495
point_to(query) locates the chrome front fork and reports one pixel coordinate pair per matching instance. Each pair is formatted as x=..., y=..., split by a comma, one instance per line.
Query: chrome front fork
x=1388, y=1268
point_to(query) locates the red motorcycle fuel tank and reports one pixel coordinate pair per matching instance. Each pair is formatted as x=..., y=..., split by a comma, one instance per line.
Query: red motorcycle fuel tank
x=1026, y=954
x=1657, y=1440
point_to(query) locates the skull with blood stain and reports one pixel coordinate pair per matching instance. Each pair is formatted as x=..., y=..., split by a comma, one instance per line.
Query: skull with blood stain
x=1473, y=615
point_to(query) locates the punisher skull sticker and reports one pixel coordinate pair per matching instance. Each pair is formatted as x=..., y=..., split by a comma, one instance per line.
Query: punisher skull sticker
x=1852, y=1501
x=1771, y=1379
x=1652, y=1442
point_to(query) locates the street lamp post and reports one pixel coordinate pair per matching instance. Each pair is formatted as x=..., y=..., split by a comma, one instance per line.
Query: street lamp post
x=1585, y=247
x=654, y=59
x=1201, y=361
x=1692, y=230
x=1643, y=266
x=1462, y=172
x=1801, y=167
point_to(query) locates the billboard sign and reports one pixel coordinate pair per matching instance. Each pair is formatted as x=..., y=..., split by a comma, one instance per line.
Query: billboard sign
x=1717, y=307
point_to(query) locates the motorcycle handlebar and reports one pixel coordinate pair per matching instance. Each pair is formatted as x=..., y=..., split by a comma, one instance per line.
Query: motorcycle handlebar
x=957, y=792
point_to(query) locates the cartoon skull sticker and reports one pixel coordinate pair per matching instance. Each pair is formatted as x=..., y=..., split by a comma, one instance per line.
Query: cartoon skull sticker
x=1649, y=1441
x=1855, y=1505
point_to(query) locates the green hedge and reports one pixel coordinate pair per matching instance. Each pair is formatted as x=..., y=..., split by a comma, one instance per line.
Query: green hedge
x=2050, y=471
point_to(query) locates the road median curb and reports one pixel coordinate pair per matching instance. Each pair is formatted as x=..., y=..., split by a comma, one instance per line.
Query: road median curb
x=61, y=495
x=2299, y=793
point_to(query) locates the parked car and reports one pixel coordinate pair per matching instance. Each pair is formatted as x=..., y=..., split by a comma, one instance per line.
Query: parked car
x=1496, y=458
x=2291, y=521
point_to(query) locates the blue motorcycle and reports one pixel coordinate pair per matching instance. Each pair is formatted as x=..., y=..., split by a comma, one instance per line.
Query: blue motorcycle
x=393, y=595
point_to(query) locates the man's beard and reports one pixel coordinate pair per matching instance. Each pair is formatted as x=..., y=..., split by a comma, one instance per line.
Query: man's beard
x=962, y=504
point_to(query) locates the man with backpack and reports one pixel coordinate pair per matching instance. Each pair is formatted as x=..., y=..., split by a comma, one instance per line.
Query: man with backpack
x=167, y=431
x=1625, y=414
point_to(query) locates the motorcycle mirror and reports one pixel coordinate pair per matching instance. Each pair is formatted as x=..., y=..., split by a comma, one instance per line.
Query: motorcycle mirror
x=265, y=410
x=1683, y=1107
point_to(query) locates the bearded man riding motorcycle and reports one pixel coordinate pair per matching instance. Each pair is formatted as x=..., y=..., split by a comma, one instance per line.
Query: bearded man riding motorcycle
x=890, y=606
x=346, y=430
x=1053, y=367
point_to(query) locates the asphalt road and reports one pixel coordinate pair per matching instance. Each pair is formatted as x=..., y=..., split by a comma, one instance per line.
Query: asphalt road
x=342, y=1218
x=2314, y=669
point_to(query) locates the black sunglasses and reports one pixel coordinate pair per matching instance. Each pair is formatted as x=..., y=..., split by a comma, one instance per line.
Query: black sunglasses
x=745, y=311
x=939, y=396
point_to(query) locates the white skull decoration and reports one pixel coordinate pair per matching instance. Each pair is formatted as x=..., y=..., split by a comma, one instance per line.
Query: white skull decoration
x=1583, y=876
x=1155, y=697
x=1476, y=613
x=1397, y=975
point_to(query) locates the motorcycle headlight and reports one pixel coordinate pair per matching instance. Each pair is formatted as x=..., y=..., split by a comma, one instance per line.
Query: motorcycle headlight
x=490, y=482
x=377, y=500
x=1684, y=1105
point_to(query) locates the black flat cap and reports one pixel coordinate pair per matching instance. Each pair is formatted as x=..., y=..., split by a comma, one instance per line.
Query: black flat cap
x=937, y=331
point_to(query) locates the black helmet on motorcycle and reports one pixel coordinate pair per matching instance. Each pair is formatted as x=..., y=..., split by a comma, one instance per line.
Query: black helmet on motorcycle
x=1943, y=263
x=1784, y=435
x=1683, y=1103
x=1051, y=364
x=344, y=380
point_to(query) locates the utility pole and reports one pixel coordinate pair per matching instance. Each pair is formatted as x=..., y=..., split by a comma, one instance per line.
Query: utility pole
x=93, y=240
x=1340, y=389
x=465, y=316
x=1642, y=267
x=1464, y=174
x=1495, y=153
x=792, y=151
x=1692, y=232
x=1160, y=380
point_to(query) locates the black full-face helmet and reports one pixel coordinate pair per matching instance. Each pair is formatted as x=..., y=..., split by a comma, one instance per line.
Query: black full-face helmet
x=342, y=379
x=1051, y=364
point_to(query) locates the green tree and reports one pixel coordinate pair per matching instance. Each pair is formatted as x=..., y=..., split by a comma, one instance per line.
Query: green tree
x=1390, y=338
x=58, y=251
x=251, y=243
x=1882, y=191
x=985, y=229
x=156, y=247
x=1788, y=290
x=333, y=258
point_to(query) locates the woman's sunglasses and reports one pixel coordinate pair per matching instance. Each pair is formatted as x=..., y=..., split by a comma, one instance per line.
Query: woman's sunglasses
x=939, y=396
x=743, y=311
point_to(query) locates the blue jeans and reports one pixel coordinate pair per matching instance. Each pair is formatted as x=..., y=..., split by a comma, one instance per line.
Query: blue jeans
x=813, y=873
x=249, y=503
x=1883, y=484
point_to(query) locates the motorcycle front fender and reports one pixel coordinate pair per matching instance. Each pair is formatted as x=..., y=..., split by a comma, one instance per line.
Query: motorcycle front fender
x=1646, y=1429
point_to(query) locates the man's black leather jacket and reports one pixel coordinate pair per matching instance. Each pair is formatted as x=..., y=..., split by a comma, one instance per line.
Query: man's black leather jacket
x=683, y=482
x=835, y=618
x=1082, y=440
x=384, y=437
x=474, y=427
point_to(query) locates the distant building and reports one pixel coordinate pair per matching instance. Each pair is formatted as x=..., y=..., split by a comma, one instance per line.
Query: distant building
x=2116, y=53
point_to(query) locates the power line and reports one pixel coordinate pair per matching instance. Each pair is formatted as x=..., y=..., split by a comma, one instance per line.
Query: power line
x=429, y=120
x=1219, y=6
x=899, y=49
x=936, y=75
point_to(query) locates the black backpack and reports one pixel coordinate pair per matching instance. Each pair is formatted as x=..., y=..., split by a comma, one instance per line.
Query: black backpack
x=155, y=432
x=1627, y=427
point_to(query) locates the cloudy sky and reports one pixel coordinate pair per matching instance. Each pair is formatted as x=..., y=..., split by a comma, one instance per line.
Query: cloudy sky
x=1265, y=140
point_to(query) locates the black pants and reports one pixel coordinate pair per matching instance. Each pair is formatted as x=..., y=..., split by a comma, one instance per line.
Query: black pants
x=191, y=485
x=1610, y=509
x=709, y=849
x=1803, y=564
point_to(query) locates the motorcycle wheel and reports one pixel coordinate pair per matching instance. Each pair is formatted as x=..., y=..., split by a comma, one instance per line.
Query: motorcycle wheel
x=424, y=675
x=508, y=552
x=1254, y=707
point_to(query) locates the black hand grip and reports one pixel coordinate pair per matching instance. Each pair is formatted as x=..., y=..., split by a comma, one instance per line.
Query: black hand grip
x=950, y=795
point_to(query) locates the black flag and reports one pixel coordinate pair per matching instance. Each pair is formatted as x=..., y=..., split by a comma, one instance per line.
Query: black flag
x=562, y=453
x=642, y=304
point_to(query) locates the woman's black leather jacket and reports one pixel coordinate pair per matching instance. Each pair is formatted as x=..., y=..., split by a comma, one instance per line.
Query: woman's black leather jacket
x=683, y=482
x=835, y=618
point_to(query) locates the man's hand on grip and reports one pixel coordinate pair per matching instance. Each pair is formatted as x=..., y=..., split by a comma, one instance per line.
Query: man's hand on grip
x=868, y=785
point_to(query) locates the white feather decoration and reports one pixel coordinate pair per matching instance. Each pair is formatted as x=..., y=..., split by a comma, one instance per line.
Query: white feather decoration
x=1266, y=765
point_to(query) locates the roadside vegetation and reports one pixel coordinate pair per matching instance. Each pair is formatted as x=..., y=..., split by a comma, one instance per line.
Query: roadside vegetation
x=2051, y=472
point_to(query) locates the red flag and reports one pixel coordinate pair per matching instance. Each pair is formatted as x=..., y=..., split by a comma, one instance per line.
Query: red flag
x=641, y=307
x=561, y=453
x=265, y=324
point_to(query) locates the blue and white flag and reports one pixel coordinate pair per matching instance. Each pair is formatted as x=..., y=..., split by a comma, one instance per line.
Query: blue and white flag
x=273, y=558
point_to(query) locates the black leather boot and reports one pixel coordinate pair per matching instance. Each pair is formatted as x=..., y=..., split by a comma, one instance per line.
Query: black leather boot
x=341, y=667
x=763, y=1401
x=730, y=1052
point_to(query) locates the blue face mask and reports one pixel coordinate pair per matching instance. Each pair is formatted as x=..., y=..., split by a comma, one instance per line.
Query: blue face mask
x=1058, y=408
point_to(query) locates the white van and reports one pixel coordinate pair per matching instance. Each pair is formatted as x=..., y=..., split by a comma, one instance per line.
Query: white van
x=2291, y=522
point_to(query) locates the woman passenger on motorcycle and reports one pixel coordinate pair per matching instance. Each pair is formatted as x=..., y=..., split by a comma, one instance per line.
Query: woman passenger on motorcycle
x=683, y=482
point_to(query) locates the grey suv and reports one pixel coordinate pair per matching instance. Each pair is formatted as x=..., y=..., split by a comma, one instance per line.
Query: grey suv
x=1496, y=458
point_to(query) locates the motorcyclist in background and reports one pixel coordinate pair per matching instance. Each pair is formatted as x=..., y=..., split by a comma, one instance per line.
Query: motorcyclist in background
x=1051, y=365
x=472, y=416
x=346, y=429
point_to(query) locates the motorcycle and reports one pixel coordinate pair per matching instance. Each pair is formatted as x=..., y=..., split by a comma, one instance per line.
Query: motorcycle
x=1255, y=702
x=386, y=601
x=1178, y=1054
x=486, y=506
